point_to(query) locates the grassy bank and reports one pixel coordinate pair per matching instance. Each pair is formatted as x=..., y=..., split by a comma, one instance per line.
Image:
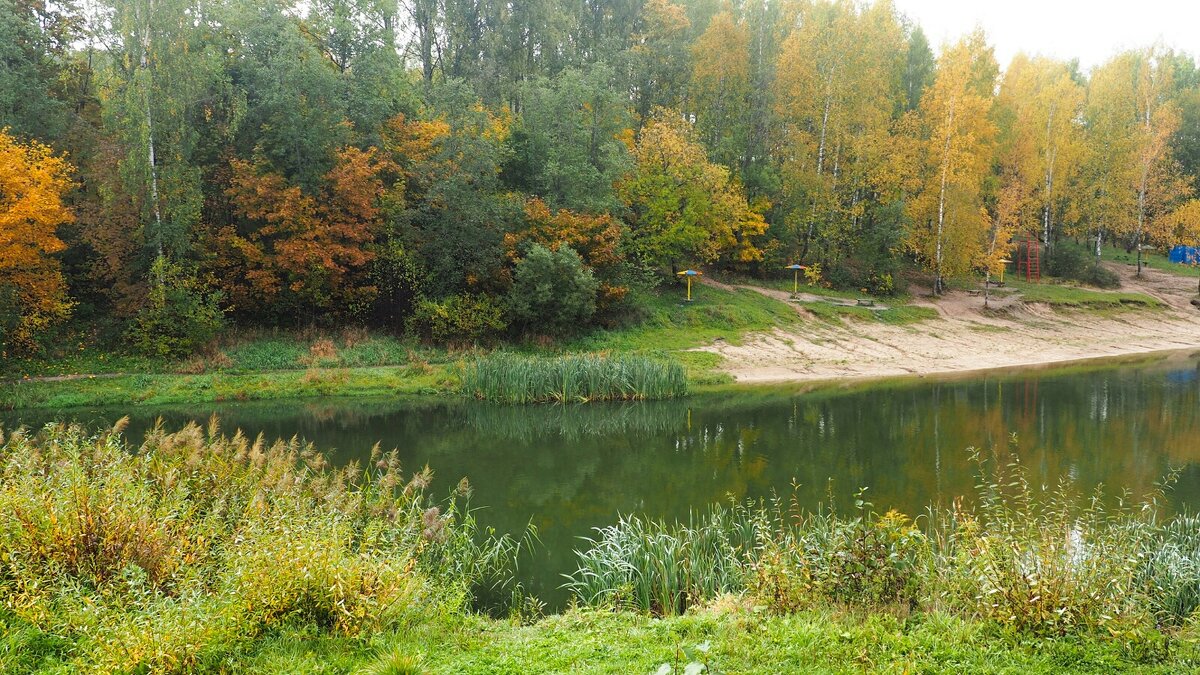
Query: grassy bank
x=1076, y=297
x=195, y=552
x=257, y=366
x=159, y=388
x=351, y=362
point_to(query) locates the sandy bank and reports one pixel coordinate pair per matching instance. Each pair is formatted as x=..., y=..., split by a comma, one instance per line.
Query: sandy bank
x=966, y=338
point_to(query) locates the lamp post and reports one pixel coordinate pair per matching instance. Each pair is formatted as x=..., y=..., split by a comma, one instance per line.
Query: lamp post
x=689, y=274
x=795, y=276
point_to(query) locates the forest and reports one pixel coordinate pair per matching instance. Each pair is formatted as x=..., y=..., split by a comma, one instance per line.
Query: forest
x=465, y=171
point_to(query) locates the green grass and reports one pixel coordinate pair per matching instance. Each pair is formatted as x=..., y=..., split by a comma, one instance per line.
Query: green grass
x=896, y=316
x=513, y=378
x=1154, y=259
x=781, y=284
x=153, y=389
x=238, y=352
x=1067, y=296
x=739, y=640
x=671, y=324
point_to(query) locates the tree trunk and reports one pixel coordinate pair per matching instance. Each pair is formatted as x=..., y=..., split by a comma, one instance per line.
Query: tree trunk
x=941, y=221
x=151, y=159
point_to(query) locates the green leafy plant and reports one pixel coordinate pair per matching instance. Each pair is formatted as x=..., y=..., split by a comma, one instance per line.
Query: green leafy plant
x=460, y=320
x=180, y=316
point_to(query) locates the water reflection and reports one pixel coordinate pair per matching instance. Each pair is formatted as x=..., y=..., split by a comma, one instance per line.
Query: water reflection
x=568, y=469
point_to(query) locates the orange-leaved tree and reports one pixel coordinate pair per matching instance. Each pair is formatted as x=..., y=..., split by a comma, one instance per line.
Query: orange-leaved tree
x=32, y=289
x=303, y=252
x=597, y=240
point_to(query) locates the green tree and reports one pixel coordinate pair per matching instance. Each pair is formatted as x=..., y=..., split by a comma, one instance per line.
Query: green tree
x=685, y=209
x=566, y=146
x=553, y=293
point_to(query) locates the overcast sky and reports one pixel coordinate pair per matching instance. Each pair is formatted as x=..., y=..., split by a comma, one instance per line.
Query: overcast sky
x=1090, y=30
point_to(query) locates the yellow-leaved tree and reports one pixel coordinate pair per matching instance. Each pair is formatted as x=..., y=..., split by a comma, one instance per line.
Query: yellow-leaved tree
x=837, y=88
x=720, y=87
x=1133, y=182
x=685, y=209
x=32, y=289
x=952, y=137
x=1039, y=108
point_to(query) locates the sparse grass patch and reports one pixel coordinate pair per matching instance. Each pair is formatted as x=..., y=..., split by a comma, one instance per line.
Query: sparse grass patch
x=671, y=324
x=224, y=386
x=1066, y=296
x=897, y=316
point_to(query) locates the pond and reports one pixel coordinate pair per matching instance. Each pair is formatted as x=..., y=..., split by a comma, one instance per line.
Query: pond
x=569, y=469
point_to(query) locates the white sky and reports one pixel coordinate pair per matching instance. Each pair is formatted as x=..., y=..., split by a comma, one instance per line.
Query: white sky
x=1090, y=30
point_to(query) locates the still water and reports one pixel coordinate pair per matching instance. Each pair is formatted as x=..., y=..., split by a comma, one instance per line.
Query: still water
x=569, y=469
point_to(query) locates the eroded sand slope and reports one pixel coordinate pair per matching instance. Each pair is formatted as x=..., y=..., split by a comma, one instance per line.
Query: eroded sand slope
x=966, y=338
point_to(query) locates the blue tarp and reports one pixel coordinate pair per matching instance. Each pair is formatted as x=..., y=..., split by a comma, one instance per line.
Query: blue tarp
x=1185, y=255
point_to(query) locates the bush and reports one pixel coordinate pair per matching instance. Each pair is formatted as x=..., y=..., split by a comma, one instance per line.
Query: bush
x=554, y=292
x=164, y=558
x=1069, y=262
x=179, y=316
x=459, y=320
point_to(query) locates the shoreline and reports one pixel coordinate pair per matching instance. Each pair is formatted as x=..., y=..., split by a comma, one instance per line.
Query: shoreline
x=387, y=382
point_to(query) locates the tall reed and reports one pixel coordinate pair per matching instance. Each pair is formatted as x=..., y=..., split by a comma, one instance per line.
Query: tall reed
x=511, y=378
x=1043, y=562
x=163, y=557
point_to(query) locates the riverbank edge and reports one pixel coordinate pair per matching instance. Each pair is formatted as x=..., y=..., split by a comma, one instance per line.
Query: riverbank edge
x=441, y=382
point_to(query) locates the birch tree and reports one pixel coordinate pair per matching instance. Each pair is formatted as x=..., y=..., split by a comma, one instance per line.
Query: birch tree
x=954, y=137
x=1133, y=180
x=1041, y=141
x=839, y=79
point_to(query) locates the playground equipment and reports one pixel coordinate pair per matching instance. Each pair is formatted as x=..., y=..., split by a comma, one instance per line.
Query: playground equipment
x=689, y=274
x=1029, y=260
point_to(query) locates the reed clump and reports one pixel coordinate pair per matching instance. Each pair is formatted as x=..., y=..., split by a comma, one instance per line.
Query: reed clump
x=512, y=378
x=166, y=556
x=1030, y=560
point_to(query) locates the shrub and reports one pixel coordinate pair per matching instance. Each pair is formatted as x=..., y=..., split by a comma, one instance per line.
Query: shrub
x=554, y=292
x=510, y=378
x=179, y=316
x=1069, y=262
x=194, y=544
x=459, y=320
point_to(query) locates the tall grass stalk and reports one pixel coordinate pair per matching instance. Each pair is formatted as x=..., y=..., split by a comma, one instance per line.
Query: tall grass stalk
x=511, y=378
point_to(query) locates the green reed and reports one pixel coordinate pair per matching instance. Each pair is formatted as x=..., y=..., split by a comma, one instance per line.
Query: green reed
x=511, y=378
x=1034, y=560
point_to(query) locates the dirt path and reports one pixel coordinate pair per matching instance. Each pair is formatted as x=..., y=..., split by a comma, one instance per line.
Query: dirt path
x=966, y=338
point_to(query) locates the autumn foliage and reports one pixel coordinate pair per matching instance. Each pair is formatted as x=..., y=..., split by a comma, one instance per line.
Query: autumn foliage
x=686, y=209
x=597, y=240
x=303, y=250
x=32, y=184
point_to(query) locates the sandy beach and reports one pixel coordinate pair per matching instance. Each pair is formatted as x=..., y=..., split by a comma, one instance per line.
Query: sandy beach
x=966, y=337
